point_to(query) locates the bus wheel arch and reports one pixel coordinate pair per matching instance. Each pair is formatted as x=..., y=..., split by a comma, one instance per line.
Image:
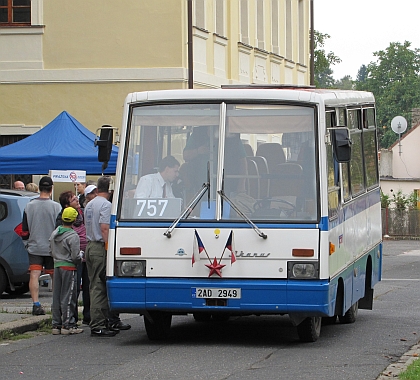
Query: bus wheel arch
x=339, y=299
x=366, y=302
x=344, y=316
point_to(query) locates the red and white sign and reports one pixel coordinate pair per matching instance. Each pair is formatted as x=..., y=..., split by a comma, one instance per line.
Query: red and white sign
x=68, y=176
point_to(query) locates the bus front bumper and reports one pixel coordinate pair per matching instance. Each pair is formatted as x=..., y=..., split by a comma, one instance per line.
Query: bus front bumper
x=137, y=295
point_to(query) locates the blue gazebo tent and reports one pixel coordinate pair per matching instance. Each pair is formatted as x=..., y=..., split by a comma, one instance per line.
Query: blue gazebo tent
x=63, y=144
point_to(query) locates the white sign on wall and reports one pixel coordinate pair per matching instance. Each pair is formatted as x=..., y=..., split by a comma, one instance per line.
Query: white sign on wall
x=68, y=176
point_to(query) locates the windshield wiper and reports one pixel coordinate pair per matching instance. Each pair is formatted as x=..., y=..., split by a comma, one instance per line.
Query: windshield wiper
x=242, y=215
x=190, y=207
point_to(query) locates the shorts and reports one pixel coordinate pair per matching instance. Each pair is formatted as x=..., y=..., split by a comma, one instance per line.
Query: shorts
x=38, y=262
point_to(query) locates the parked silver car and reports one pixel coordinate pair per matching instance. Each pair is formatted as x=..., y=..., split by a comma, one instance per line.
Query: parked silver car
x=14, y=263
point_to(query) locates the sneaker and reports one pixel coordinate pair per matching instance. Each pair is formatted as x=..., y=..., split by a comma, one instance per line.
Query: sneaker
x=56, y=331
x=120, y=325
x=86, y=321
x=71, y=331
x=102, y=332
x=38, y=310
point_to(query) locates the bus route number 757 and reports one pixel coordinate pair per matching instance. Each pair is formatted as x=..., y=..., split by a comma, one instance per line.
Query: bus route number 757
x=151, y=207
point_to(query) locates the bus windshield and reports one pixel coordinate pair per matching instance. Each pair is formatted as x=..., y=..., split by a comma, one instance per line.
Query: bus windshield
x=262, y=157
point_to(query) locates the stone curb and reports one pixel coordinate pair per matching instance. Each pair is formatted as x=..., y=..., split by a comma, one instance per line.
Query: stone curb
x=23, y=325
x=394, y=369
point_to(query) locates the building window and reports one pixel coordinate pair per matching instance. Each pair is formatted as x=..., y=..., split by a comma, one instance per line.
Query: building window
x=289, y=30
x=244, y=22
x=15, y=12
x=260, y=24
x=275, y=26
x=220, y=17
x=200, y=14
x=302, y=34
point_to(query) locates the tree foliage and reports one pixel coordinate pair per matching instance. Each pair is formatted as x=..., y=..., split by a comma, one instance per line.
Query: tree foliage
x=395, y=82
x=362, y=74
x=345, y=83
x=323, y=62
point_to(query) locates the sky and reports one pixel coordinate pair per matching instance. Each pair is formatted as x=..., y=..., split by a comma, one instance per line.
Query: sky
x=358, y=28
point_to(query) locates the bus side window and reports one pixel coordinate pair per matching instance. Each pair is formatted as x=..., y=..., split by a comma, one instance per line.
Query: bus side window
x=332, y=172
x=345, y=176
x=369, y=147
x=357, y=177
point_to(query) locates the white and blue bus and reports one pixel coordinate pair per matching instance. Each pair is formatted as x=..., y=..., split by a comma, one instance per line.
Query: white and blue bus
x=270, y=204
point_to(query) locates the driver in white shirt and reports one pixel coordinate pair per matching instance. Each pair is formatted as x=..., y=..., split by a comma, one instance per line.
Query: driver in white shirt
x=159, y=185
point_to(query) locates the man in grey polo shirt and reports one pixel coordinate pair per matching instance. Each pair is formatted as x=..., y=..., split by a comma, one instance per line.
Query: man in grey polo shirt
x=37, y=226
x=103, y=322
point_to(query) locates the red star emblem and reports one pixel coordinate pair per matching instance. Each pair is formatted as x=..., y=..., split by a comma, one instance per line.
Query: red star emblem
x=215, y=268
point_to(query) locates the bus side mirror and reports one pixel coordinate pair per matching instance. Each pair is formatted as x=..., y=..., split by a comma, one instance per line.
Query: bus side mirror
x=104, y=143
x=341, y=144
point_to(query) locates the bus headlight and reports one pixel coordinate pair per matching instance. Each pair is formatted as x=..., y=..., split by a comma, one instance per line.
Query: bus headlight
x=301, y=270
x=131, y=268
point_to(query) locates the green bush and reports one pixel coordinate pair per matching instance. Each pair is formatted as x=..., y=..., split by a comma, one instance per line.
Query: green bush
x=399, y=201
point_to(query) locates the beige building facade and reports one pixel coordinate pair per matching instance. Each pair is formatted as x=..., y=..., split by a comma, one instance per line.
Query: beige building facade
x=84, y=57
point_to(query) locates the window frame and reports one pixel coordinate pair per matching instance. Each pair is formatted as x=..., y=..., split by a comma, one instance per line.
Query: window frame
x=10, y=7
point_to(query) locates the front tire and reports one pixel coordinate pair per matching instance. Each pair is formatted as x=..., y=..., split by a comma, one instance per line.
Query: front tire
x=157, y=324
x=310, y=329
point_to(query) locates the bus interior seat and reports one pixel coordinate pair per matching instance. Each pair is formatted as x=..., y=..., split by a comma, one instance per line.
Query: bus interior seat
x=286, y=182
x=253, y=180
x=248, y=150
x=262, y=166
x=273, y=153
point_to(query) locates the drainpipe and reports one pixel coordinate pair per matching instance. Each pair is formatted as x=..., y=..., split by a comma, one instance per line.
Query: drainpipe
x=190, y=48
x=312, y=47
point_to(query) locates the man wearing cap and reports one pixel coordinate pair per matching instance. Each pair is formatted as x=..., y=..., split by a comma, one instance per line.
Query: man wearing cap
x=103, y=322
x=90, y=192
x=37, y=225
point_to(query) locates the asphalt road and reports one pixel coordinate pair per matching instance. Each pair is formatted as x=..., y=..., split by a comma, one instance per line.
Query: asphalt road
x=242, y=348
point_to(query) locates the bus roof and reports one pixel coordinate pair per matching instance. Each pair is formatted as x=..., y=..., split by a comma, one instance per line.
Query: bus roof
x=302, y=94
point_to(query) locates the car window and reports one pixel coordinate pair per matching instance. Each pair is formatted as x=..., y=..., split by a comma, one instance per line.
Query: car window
x=3, y=211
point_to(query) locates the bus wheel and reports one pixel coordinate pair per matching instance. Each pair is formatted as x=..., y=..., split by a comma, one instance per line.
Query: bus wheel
x=310, y=329
x=157, y=325
x=351, y=314
x=202, y=317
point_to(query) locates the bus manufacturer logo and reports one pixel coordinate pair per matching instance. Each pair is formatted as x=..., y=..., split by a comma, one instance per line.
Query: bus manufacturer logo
x=255, y=254
x=180, y=252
